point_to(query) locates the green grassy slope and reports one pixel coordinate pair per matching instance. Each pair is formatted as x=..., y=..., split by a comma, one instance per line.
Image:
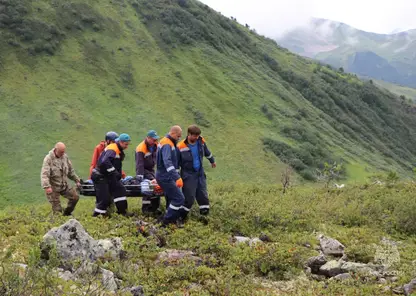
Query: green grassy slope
x=70, y=71
x=400, y=90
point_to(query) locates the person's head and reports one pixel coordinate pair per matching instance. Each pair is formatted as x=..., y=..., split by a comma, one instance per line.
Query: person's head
x=152, y=137
x=175, y=132
x=123, y=140
x=193, y=133
x=110, y=137
x=59, y=149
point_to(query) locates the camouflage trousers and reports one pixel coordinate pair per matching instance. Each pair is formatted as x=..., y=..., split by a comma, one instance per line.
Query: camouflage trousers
x=54, y=199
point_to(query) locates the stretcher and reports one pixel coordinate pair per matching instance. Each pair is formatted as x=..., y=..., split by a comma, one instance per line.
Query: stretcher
x=133, y=190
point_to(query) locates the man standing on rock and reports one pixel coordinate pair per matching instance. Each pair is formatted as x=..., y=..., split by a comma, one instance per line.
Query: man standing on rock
x=56, y=169
x=168, y=177
x=192, y=151
x=107, y=177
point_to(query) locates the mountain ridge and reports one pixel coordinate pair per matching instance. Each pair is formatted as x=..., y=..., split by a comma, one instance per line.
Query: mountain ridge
x=335, y=43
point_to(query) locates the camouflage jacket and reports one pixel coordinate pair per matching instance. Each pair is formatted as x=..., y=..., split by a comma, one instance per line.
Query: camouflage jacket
x=56, y=171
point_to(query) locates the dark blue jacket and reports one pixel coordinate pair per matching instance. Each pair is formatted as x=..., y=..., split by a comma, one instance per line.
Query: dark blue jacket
x=110, y=161
x=186, y=161
x=167, y=159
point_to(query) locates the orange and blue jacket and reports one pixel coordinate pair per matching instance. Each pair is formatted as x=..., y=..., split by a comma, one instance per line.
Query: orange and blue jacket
x=98, y=150
x=167, y=159
x=110, y=161
x=186, y=160
x=146, y=160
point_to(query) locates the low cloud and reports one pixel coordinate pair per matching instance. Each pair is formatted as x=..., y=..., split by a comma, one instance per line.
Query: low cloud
x=270, y=18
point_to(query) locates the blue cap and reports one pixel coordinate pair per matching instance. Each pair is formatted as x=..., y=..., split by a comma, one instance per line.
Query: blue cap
x=123, y=138
x=153, y=134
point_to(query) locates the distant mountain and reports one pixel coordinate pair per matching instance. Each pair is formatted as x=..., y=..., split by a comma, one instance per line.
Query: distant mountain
x=389, y=57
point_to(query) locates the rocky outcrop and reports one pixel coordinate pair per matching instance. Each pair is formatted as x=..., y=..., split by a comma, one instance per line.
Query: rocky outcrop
x=330, y=246
x=73, y=242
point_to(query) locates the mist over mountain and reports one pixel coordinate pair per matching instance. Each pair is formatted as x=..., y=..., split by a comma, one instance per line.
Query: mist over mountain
x=390, y=57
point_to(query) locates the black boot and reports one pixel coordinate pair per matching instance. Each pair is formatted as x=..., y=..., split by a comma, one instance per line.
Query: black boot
x=180, y=223
x=67, y=212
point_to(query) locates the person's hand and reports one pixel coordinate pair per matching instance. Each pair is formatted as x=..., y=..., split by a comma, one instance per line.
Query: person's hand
x=179, y=183
x=48, y=190
x=214, y=165
x=78, y=184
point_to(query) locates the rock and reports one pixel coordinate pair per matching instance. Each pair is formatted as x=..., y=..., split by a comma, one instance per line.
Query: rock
x=387, y=253
x=241, y=239
x=111, y=247
x=330, y=246
x=318, y=277
x=316, y=262
x=119, y=283
x=66, y=275
x=382, y=281
x=73, y=242
x=246, y=240
x=172, y=257
x=352, y=266
x=331, y=268
x=378, y=183
x=398, y=290
x=265, y=238
x=108, y=280
x=87, y=269
x=410, y=287
x=394, y=279
x=195, y=287
x=343, y=277
x=254, y=241
x=137, y=291
x=360, y=268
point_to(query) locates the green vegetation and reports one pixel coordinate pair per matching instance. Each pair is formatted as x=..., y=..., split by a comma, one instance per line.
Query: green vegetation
x=72, y=70
x=359, y=217
x=405, y=93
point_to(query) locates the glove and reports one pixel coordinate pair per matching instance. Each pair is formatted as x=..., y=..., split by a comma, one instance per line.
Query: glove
x=179, y=183
x=139, y=178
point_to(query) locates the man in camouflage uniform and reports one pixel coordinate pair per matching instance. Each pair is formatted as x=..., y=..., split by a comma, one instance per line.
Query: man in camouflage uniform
x=56, y=169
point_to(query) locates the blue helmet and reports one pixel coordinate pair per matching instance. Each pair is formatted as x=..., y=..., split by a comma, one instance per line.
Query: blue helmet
x=111, y=136
x=123, y=138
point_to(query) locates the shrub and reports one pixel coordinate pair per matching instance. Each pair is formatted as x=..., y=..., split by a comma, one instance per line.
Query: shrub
x=199, y=117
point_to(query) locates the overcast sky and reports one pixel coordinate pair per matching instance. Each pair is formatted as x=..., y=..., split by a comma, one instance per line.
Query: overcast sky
x=274, y=17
